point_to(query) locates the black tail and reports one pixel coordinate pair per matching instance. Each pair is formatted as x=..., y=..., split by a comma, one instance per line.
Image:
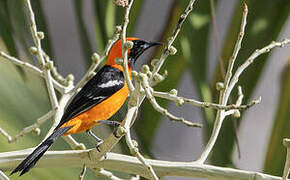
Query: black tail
x=30, y=161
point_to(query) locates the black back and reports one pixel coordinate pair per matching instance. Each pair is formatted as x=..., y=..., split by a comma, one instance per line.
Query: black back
x=104, y=84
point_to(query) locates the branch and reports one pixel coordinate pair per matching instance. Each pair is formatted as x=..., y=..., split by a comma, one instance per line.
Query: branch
x=107, y=174
x=3, y=176
x=224, y=94
x=30, y=68
x=171, y=39
x=125, y=47
x=145, y=84
x=135, y=152
x=34, y=126
x=194, y=102
x=131, y=165
x=5, y=134
x=251, y=59
x=37, y=36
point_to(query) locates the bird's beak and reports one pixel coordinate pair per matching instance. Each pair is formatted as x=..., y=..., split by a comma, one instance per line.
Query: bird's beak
x=150, y=44
x=139, y=48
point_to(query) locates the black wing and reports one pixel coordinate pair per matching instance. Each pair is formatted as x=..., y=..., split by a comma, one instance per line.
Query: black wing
x=105, y=83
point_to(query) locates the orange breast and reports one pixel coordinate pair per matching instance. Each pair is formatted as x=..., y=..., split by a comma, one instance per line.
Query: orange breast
x=102, y=111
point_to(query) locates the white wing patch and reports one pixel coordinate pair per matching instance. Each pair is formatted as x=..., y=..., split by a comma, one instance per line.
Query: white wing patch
x=111, y=83
x=99, y=97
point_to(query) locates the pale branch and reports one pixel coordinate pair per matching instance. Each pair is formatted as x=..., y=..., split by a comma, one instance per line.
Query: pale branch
x=5, y=134
x=107, y=174
x=171, y=39
x=130, y=165
x=73, y=143
x=96, y=61
x=37, y=36
x=34, y=126
x=31, y=68
x=125, y=47
x=251, y=59
x=223, y=98
x=3, y=176
x=194, y=102
x=55, y=74
x=236, y=49
x=286, y=172
x=24, y=65
x=133, y=102
x=145, y=84
x=135, y=152
x=83, y=172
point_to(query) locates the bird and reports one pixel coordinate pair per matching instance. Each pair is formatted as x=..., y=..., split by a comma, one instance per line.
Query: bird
x=99, y=99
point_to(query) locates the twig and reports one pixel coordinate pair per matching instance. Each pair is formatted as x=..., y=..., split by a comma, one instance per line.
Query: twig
x=32, y=127
x=194, y=102
x=286, y=143
x=125, y=48
x=224, y=94
x=24, y=65
x=4, y=133
x=251, y=59
x=107, y=174
x=171, y=39
x=44, y=65
x=81, y=177
x=3, y=176
x=73, y=143
x=131, y=165
x=30, y=68
x=135, y=152
x=145, y=84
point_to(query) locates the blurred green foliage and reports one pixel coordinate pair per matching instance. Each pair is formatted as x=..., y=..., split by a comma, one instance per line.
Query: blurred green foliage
x=22, y=101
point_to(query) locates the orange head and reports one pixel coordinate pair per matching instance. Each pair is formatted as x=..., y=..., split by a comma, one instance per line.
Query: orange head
x=139, y=46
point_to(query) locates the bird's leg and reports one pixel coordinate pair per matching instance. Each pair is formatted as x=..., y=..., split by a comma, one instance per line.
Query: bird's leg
x=115, y=124
x=99, y=140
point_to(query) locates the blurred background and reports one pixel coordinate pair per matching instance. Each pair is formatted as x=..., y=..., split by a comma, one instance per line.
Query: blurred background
x=75, y=29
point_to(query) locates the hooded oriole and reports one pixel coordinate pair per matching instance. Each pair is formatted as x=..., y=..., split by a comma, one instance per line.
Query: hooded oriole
x=100, y=98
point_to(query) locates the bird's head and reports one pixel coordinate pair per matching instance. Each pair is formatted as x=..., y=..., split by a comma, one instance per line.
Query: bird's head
x=139, y=46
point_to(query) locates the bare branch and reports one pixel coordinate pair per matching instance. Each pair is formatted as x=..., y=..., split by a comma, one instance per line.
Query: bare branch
x=224, y=94
x=125, y=48
x=194, y=102
x=107, y=174
x=171, y=39
x=157, y=107
x=44, y=65
x=4, y=133
x=32, y=127
x=251, y=59
x=3, y=176
x=30, y=68
x=131, y=165
x=135, y=152
x=236, y=48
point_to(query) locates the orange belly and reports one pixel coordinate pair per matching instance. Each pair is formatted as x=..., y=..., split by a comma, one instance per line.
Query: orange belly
x=100, y=112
